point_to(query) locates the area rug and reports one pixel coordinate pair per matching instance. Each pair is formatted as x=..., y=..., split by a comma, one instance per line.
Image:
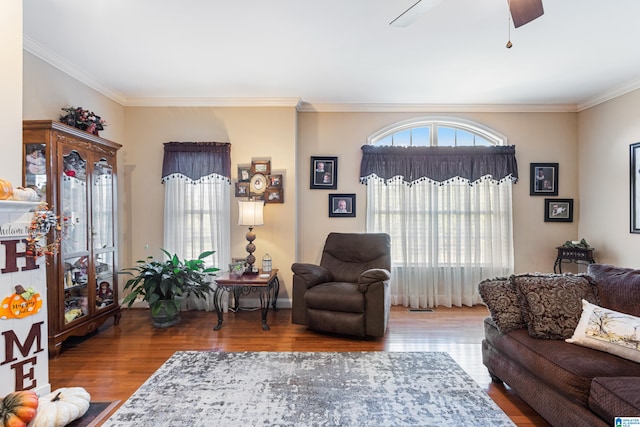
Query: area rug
x=309, y=389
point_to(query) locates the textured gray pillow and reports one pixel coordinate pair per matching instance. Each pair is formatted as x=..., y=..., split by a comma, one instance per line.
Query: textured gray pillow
x=503, y=302
x=552, y=303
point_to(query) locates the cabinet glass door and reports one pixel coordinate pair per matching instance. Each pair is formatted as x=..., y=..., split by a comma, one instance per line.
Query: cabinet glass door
x=35, y=168
x=102, y=232
x=75, y=253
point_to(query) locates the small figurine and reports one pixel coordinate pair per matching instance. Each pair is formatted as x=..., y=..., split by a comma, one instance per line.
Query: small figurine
x=105, y=293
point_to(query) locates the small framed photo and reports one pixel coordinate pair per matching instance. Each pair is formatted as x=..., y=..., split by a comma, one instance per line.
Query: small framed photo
x=261, y=166
x=558, y=210
x=324, y=173
x=274, y=195
x=342, y=205
x=275, y=181
x=634, y=162
x=244, y=173
x=543, y=179
x=242, y=189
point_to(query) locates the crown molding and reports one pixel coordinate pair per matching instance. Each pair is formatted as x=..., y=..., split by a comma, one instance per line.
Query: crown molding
x=211, y=102
x=437, y=108
x=66, y=67
x=610, y=94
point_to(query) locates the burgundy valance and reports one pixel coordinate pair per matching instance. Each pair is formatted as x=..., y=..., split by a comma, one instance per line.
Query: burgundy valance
x=439, y=164
x=197, y=160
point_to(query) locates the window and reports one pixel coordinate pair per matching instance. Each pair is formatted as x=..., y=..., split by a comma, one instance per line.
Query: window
x=450, y=226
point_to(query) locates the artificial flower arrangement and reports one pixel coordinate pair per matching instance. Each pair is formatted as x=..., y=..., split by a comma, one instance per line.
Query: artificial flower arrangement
x=83, y=119
x=42, y=222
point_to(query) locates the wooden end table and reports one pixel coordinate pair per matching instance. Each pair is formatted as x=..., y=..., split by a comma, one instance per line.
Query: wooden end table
x=267, y=288
x=577, y=255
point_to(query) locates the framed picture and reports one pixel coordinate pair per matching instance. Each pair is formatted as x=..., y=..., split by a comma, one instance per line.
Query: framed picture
x=324, y=173
x=275, y=181
x=558, y=210
x=342, y=205
x=244, y=173
x=274, y=195
x=635, y=187
x=261, y=166
x=543, y=179
x=242, y=189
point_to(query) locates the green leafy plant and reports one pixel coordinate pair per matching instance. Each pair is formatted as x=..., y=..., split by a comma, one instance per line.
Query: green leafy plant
x=167, y=280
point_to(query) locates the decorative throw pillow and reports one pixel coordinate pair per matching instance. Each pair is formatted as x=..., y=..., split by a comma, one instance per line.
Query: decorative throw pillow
x=608, y=330
x=552, y=303
x=501, y=298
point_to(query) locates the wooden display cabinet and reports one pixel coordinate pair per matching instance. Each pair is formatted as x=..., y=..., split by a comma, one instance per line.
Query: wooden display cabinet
x=75, y=172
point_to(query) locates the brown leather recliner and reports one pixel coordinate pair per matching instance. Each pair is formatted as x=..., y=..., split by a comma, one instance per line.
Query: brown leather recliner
x=348, y=293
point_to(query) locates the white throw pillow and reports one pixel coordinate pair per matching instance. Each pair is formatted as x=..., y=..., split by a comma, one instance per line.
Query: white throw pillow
x=607, y=330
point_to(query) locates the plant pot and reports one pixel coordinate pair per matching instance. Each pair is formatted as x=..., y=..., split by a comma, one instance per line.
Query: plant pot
x=167, y=315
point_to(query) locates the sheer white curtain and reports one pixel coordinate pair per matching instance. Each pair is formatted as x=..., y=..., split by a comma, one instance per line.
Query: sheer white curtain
x=445, y=238
x=448, y=211
x=197, y=207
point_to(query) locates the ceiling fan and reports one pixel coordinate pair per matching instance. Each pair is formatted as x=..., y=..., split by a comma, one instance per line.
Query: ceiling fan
x=522, y=12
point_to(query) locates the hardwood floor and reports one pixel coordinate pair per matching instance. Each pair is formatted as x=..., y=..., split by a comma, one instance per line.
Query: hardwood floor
x=112, y=363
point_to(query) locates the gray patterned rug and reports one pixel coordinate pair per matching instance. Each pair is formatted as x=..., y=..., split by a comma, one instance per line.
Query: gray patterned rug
x=309, y=389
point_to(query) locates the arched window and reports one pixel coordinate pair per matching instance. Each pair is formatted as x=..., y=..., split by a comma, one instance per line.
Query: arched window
x=437, y=132
x=442, y=189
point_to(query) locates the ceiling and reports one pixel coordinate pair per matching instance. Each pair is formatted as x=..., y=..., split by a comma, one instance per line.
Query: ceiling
x=327, y=53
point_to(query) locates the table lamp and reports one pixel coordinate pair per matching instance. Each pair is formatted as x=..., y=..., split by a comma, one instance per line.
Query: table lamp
x=250, y=214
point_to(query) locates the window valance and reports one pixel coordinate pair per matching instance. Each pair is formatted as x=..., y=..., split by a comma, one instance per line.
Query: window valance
x=438, y=164
x=197, y=160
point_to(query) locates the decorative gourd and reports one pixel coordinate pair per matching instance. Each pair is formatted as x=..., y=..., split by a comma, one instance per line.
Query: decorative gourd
x=6, y=190
x=18, y=408
x=25, y=194
x=60, y=407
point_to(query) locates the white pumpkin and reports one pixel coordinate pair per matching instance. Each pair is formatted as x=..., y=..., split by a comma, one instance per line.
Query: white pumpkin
x=60, y=407
x=25, y=194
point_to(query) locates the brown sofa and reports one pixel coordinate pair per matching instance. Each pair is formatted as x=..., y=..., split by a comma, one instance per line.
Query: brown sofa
x=566, y=383
x=348, y=293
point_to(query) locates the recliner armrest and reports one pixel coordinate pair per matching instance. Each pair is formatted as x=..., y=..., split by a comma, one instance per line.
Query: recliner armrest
x=311, y=274
x=371, y=276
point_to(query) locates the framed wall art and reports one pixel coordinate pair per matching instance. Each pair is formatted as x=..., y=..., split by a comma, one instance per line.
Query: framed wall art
x=261, y=166
x=274, y=195
x=558, y=210
x=634, y=162
x=242, y=189
x=342, y=205
x=324, y=173
x=244, y=173
x=543, y=179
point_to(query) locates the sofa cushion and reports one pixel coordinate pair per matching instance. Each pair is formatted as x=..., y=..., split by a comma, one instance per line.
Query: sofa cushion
x=612, y=397
x=608, y=330
x=618, y=288
x=335, y=296
x=562, y=366
x=552, y=303
x=503, y=303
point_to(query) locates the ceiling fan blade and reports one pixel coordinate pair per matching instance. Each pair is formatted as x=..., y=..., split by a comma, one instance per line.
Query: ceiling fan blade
x=407, y=17
x=525, y=11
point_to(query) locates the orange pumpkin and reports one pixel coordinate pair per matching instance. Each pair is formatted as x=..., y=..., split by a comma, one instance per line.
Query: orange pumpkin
x=17, y=409
x=6, y=190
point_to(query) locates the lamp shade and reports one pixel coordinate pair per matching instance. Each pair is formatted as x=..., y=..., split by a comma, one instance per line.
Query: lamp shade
x=250, y=212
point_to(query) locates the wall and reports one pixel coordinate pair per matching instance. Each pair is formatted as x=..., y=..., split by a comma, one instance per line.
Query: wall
x=538, y=137
x=253, y=133
x=605, y=133
x=11, y=91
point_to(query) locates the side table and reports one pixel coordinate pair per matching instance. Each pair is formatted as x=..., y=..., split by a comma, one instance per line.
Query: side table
x=266, y=285
x=577, y=255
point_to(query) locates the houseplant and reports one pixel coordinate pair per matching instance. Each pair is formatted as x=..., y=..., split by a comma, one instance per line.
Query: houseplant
x=164, y=284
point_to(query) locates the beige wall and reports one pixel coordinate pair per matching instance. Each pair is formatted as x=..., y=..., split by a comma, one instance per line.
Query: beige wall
x=538, y=137
x=295, y=230
x=253, y=133
x=11, y=91
x=605, y=133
